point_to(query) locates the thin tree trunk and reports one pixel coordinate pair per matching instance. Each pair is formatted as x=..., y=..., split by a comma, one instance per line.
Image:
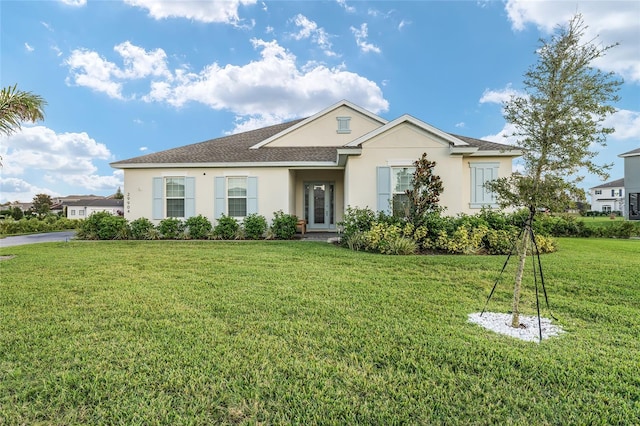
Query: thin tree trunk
x=522, y=257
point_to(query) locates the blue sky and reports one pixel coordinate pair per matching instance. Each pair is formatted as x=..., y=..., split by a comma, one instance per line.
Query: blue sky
x=127, y=78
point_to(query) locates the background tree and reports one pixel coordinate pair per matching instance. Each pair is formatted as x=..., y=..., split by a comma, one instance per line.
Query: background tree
x=118, y=195
x=424, y=195
x=559, y=125
x=41, y=204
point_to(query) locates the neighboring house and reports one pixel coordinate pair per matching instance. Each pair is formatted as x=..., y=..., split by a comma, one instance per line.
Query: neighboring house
x=82, y=209
x=632, y=184
x=608, y=197
x=313, y=168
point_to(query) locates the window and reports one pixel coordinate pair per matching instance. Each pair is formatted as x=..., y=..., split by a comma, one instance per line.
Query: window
x=344, y=124
x=616, y=192
x=73, y=212
x=401, y=181
x=482, y=173
x=634, y=206
x=237, y=196
x=174, y=190
x=598, y=191
x=80, y=212
x=606, y=208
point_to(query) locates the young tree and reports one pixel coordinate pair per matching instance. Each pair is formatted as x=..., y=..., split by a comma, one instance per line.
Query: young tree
x=559, y=125
x=42, y=204
x=424, y=195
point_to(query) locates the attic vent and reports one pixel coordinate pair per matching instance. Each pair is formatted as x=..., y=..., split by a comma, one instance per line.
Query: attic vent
x=344, y=124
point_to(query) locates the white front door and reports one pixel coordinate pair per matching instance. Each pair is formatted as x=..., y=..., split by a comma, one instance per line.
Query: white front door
x=319, y=205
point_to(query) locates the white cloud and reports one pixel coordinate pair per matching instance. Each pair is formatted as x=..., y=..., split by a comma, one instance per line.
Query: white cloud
x=143, y=148
x=210, y=11
x=309, y=29
x=612, y=22
x=499, y=96
x=37, y=153
x=460, y=124
x=403, y=24
x=14, y=189
x=91, y=70
x=270, y=89
x=41, y=148
x=361, y=36
x=28, y=47
x=76, y=3
x=626, y=123
x=345, y=6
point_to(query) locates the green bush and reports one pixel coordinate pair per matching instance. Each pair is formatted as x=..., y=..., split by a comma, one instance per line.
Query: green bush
x=355, y=221
x=255, y=226
x=141, y=229
x=198, y=227
x=226, y=228
x=284, y=225
x=171, y=228
x=500, y=241
x=401, y=246
x=90, y=227
x=113, y=228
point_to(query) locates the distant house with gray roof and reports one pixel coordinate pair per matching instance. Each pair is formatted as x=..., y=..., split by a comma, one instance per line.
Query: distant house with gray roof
x=83, y=208
x=314, y=168
x=608, y=197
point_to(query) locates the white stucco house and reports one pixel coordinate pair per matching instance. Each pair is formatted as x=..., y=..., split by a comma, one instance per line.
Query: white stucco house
x=83, y=208
x=608, y=197
x=314, y=168
x=632, y=184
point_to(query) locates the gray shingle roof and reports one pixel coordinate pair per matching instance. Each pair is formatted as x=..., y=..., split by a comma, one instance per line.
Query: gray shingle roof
x=236, y=149
x=631, y=153
x=97, y=202
x=484, y=145
x=618, y=183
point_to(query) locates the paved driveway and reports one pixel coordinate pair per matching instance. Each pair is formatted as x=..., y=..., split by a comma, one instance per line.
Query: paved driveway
x=50, y=237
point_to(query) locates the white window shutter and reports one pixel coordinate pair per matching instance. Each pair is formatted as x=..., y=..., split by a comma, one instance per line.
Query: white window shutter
x=189, y=197
x=157, y=192
x=252, y=195
x=383, y=183
x=219, y=197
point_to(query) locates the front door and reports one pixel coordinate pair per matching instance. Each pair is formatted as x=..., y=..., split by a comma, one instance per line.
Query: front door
x=319, y=205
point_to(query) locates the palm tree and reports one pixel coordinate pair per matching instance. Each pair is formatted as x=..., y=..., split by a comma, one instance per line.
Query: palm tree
x=17, y=106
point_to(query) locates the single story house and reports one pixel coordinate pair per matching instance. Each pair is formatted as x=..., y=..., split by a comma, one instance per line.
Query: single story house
x=81, y=209
x=314, y=168
x=632, y=184
x=608, y=197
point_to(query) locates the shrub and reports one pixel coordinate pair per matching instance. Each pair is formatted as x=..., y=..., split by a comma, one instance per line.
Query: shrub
x=500, y=241
x=284, y=225
x=255, y=226
x=356, y=241
x=401, y=246
x=90, y=227
x=113, y=228
x=171, y=228
x=226, y=228
x=356, y=220
x=141, y=229
x=198, y=227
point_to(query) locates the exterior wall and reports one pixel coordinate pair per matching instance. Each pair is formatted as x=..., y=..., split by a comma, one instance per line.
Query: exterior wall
x=82, y=212
x=631, y=181
x=273, y=189
x=403, y=145
x=606, y=199
x=323, y=130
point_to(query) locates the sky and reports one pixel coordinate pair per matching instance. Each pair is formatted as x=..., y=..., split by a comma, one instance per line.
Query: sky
x=127, y=78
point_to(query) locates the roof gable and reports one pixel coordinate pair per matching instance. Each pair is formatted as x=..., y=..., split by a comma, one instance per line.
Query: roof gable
x=343, y=105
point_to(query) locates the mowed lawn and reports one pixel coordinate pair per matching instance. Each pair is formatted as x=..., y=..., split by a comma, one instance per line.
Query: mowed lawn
x=207, y=332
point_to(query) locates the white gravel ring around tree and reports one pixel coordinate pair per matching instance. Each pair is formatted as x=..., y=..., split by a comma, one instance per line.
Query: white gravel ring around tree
x=529, y=331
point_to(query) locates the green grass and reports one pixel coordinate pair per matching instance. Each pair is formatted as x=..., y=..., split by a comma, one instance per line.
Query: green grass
x=200, y=332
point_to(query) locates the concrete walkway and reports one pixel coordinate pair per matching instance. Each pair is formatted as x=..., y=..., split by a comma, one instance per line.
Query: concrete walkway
x=49, y=237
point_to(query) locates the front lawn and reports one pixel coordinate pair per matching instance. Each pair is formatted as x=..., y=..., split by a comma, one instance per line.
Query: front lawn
x=210, y=332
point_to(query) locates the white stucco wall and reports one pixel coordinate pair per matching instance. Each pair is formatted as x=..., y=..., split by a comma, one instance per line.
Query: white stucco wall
x=323, y=130
x=273, y=189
